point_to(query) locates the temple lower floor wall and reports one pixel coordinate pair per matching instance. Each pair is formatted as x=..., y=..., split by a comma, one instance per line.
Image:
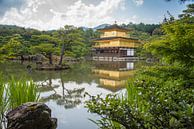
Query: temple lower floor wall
x=102, y=58
x=114, y=52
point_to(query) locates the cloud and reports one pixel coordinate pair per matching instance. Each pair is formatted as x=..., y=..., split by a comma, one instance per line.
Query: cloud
x=133, y=19
x=138, y=2
x=80, y=13
x=7, y=4
x=46, y=14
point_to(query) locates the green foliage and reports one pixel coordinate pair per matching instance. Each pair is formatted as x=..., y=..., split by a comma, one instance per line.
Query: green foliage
x=16, y=41
x=90, y=34
x=20, y=92
x=47, y=49
x=73, y=40
x=127, y=111
x=188, y=12
x=15, y=47
x=140, y=35
x=146, y=28
x=44, y=38
x=10, y=30
x=169, y=92
x=177, y=43
x=44, y=49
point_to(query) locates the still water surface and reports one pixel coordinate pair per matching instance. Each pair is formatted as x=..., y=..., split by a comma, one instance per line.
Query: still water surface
x=63, y=91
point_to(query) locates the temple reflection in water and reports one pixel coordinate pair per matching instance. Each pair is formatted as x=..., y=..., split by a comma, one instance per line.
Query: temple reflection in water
x=113, y=75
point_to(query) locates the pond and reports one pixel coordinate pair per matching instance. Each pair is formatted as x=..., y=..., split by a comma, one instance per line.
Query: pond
x=64, y=91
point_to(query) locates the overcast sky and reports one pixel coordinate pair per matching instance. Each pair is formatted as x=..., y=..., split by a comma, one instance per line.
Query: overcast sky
x=53, y=14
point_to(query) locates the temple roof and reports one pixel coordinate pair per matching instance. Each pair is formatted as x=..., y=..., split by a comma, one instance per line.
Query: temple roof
x=111, y=38
x=114, y=27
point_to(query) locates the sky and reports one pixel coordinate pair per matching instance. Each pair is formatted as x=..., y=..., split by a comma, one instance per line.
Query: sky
x=53, y=14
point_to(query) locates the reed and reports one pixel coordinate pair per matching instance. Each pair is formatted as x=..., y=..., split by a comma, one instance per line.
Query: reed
x=21, y=91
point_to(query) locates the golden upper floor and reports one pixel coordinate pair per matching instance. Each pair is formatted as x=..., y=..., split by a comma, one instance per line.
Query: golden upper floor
x=115, y=36
x=114, y=31
x=116, y=42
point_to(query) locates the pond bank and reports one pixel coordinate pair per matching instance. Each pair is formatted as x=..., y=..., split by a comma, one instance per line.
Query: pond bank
x=52, y=67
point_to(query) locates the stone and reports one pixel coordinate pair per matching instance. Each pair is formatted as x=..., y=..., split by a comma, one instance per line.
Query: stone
x=40, y=57
x=31, y=115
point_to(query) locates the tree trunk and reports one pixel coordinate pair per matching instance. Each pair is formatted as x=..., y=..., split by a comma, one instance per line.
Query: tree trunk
x=50, y=59
x=50, y=82
x=63, y=86
x=22, y=57
x=62, y=54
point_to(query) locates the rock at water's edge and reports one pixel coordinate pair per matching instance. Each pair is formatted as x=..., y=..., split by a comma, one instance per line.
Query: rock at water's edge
x=31, y=116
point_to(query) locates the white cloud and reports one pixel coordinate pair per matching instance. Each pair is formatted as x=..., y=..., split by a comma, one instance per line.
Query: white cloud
x=44, y=14
x=133, y=19
x=82, y=14
x=138, y=2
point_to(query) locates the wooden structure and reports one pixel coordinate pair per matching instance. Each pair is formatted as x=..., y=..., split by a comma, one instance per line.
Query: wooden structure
x=114, y=44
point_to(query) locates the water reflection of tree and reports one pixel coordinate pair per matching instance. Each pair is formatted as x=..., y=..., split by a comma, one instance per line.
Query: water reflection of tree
x=16, y=70
x=69, y=98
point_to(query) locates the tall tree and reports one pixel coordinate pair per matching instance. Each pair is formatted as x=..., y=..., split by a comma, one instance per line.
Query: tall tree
x=71, y=41
x=188, y=12
x=48, y=45
x=46, y=49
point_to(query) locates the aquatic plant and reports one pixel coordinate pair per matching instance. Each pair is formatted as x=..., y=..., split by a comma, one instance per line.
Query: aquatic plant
x=21, y=91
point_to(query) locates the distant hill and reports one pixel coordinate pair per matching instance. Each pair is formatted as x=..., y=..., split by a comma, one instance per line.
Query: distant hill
x=9, y=26
x=8, y=30
x=95, y=28
x=13, y=29
x=101, y=26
